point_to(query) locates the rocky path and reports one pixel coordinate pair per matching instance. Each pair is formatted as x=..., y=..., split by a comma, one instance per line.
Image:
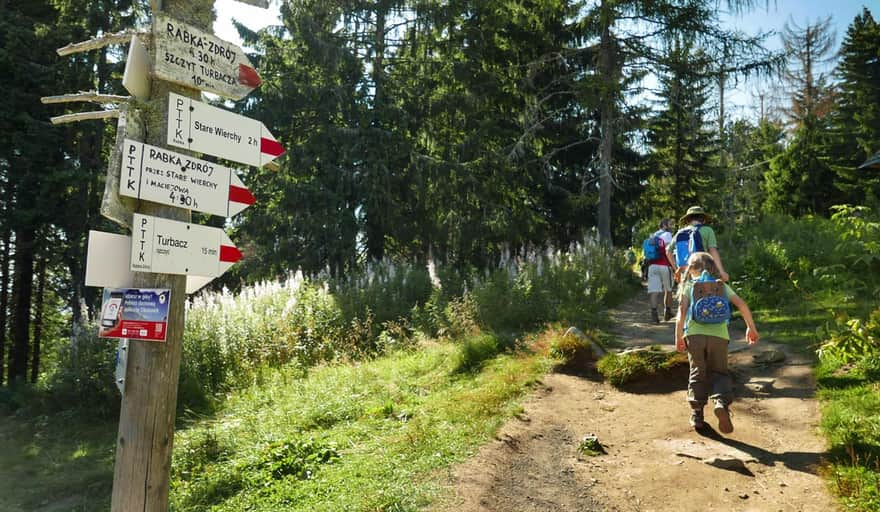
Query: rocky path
x=655, y=461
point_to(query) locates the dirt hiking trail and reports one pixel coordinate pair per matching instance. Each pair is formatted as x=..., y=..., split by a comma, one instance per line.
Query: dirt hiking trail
x=655, y=461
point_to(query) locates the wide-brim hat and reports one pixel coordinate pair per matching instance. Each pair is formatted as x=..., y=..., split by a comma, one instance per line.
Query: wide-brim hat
x=693, y=211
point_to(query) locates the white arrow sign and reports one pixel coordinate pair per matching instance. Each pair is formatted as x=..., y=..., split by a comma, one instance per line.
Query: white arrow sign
x=173, y=247
x=166, y=177
x=136, y=78
x=192, y=57
x=259, y=3
x=200, y=127
x=108, y=263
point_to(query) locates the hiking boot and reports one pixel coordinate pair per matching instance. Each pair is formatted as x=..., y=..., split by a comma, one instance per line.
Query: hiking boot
x=697, y=419
x=667, y=315
x=654, y=316
x=725, y=426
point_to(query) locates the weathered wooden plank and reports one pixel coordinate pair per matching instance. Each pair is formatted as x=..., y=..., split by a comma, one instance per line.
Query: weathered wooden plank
x=188, y=56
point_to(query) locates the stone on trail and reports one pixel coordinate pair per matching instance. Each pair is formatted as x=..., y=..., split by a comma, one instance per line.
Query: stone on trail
x=760, y=385
x=579, y=334
x=769, y=357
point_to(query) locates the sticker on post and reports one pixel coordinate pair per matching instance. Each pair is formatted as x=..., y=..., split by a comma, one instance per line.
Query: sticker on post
x=135, y=313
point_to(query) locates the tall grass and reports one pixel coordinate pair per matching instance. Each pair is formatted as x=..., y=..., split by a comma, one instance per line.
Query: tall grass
x=300, y=321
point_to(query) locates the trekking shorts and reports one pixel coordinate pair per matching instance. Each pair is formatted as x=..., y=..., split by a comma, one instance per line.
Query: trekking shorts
x=659, y=278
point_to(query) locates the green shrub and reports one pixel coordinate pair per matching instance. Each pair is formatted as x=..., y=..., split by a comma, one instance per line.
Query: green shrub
x=83, y=376
x=853, y=339
x=299, y=458
x=476, y=350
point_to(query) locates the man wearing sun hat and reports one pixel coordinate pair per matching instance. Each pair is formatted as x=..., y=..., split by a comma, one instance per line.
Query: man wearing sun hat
x=696, y=218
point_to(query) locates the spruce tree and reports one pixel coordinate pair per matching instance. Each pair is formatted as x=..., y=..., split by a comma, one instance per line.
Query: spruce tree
x=856, y=120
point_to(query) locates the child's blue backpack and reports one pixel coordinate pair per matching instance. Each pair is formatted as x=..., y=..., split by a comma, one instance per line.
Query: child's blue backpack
x=709, y=303
x=652, y=247
x=686, y=242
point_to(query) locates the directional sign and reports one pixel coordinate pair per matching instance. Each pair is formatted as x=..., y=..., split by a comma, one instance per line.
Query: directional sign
x=136, y=78
x=172, y=247
x=259, y=3
x=200, y=127
x=109, y=263
x=166, y=177
x=192, y=57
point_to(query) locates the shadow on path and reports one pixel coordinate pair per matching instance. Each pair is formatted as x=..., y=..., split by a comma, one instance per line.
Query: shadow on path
x=806, y=462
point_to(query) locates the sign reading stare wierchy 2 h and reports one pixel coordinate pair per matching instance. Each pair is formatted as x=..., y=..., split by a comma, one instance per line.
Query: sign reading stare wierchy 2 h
x=197, y=126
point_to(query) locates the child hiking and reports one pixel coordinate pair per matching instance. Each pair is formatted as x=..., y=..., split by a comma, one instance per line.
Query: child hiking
x=701, y=329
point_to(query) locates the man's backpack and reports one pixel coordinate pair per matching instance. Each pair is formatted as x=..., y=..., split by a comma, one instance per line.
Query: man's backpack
x=653, y=247
x=686, y=242
x=709, y=303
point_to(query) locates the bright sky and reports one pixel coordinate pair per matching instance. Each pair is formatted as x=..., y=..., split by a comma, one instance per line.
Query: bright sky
x=771, y=18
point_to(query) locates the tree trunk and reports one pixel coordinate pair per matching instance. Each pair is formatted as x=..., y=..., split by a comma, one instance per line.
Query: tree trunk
x=38, y=319
x=22, y=294
x=606, y=69
x=4, y=301
x=145, y=439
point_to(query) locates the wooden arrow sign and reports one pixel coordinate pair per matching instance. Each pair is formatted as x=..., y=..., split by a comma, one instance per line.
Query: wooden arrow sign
x=172, y=247
x=166, y=177
x=195, y=58
x=200, y=127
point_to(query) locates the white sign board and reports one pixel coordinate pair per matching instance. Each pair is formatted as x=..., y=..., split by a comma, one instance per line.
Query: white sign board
x=172, y=247
x=203, y=128
x=108, y=264
x=136, y=78
x=166, y=177
x=192, y=57
x=259, y=3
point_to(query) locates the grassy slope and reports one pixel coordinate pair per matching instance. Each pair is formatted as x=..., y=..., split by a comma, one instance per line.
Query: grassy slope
x=369, y=436
x=58, y=463
x=392, y=423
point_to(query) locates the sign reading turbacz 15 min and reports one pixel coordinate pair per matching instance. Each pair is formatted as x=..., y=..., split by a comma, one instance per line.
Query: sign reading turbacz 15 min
x=172, y=247
x=194, y=58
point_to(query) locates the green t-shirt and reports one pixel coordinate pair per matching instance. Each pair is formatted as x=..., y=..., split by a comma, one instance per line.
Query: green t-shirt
x=708, y=236
x=691, y=327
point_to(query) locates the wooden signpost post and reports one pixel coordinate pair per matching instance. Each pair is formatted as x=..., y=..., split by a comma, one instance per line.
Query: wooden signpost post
x=165, y=250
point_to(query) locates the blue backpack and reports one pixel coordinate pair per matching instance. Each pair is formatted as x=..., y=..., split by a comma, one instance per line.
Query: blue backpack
x=709, y=303
x=652, y=247
x=686, y=242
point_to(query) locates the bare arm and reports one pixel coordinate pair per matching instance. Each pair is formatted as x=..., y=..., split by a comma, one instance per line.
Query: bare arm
x=717, y=257
x=752, y=334
x=683, y=305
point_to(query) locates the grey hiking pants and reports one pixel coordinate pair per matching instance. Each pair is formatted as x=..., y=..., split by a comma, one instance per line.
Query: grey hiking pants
x=709, y=377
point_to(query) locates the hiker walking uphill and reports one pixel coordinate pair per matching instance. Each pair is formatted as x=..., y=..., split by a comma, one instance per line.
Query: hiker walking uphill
x=695, y=236
x=701, y=329
x=659, y=270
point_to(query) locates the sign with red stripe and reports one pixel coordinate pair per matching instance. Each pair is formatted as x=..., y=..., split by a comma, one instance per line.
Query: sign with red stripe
x=167, y=177
x=200, y=127
x=192, y=57
x=172, y=247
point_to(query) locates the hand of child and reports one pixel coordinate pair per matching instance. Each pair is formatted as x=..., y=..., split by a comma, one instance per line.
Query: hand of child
x=752, y=336
x=679, y=344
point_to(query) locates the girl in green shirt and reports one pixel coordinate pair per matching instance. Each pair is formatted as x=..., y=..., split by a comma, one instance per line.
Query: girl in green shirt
x=706, y=345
